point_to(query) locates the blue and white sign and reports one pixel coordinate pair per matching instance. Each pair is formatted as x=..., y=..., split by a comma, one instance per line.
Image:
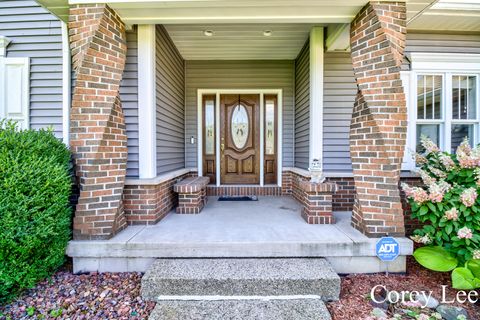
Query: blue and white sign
x=387, y=249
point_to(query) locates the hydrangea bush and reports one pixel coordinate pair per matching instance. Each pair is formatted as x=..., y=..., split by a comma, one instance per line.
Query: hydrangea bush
x=449, y=206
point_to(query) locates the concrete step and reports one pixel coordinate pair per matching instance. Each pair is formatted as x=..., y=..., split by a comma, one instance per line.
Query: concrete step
x=241, y=277
x=298, y=309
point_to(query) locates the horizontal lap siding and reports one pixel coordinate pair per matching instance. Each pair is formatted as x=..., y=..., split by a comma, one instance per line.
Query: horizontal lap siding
x=170, y=95
x=446, y=43
x=302, y=106
x=35, y=33
x=129, y=97
x=340, y=90
x=240, y=75
x=339, y=95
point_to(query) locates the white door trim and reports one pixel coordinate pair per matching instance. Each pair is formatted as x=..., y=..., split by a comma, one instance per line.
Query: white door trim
x=218, y=92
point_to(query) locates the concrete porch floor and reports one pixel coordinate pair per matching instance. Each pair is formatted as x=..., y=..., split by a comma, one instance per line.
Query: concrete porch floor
x=270, y=227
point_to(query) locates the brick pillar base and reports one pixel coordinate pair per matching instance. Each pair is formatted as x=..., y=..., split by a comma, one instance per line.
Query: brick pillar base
x=192, y=202
x=98, y=138
x=378, y=126
x=317, y=202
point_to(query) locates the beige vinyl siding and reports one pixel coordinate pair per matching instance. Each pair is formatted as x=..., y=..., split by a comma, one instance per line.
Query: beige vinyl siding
x=129, y=97
x=252, y=74
x=170, y=95
x=36, y=33
x=302, y=106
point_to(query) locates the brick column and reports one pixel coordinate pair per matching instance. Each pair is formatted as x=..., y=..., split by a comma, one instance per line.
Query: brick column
x=98, y=138
x=378, y=126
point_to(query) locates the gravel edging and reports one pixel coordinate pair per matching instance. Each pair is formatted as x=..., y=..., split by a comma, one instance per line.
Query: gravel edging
x=87, y=296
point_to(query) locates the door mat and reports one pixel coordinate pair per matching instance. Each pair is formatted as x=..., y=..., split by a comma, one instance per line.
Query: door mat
x=238, y=198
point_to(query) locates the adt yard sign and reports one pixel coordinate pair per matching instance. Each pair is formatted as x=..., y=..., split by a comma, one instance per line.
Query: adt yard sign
x=387, y=249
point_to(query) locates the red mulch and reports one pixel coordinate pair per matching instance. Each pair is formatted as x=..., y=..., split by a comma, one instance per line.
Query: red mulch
x=354, y=301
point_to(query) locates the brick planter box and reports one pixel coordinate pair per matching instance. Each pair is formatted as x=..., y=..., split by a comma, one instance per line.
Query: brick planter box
x=192, y=194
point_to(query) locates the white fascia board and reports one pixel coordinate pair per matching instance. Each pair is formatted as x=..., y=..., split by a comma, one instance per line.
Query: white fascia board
x=147, y=102
x=316, y=95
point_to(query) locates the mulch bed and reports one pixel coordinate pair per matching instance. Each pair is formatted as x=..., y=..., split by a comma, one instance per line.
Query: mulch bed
x=355, y=304
x=117, y=295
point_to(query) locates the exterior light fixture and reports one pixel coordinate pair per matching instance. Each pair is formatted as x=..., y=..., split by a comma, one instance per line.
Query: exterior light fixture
x=267, y=33
x=208, y=33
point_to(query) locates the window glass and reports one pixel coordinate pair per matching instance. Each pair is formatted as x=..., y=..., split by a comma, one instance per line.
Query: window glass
x=209, y=127
x=240, y=126
x=459, y=133
x=429, y=97
x=464, y=97
x=270, y=127
x=432, y=131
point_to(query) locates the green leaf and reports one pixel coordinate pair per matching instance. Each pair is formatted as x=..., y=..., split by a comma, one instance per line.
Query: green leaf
x=435, y=258
x=463, y=279
x=474, y=267
x=423, y=210
x=448, y=228
x=431, y=206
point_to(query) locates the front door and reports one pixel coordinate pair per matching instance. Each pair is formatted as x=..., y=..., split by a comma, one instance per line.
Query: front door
x=240, y=139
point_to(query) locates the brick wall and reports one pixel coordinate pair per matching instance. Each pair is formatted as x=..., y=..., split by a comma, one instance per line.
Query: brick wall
x=378, y=126
x=343, y=198
x=150, y=203
x=97, y=134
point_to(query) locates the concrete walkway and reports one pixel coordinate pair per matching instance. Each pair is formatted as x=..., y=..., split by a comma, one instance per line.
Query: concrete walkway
x=270, y=227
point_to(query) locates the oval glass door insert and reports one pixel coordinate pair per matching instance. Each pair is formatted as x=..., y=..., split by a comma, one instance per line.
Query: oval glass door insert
x=239, y=126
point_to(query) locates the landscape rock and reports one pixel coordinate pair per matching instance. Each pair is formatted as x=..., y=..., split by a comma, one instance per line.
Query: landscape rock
x=430, y=302
x=451, y=312
x=379, y=313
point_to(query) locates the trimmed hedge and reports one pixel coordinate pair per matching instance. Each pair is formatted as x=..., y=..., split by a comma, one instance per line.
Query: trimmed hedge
x=35, y=212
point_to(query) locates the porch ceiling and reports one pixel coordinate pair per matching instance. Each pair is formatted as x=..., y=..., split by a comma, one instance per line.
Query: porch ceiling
x=239, y=41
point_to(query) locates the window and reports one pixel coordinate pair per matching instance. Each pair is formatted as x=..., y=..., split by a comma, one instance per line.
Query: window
x=443, y=100
x=14, y=90
x=446, y=109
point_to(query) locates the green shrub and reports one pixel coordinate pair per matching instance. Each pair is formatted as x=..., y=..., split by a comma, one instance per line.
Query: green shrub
x=449, y=205
x=35, y=213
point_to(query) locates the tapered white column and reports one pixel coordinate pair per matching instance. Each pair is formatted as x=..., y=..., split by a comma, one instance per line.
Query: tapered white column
x=146, y=102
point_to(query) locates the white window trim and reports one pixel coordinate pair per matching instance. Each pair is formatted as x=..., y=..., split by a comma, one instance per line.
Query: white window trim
x=447, y=65
x=217, y=93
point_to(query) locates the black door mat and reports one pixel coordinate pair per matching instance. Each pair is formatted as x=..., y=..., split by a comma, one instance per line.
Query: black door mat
x=238, y=198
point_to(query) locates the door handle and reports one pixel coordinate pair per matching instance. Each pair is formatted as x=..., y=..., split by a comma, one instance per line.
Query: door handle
x=222, y=147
